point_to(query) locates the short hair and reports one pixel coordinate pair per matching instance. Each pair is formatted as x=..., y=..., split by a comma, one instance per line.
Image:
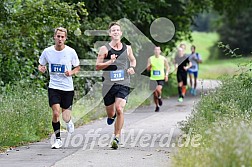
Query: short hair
x=182, y=44
x=193, y=46
x=113, y=24
x=60, y=29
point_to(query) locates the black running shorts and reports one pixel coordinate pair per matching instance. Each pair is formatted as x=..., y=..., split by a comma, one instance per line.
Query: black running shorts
x=110, y=92
x=154, y=83
x=182, y=77
x=64, y=98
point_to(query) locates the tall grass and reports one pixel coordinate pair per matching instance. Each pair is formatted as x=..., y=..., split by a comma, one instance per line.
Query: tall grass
x=223, y=118
x=226, y=143
x=24, y=115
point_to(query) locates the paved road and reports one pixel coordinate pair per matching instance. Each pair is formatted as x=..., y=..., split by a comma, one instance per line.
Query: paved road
x=149, y=139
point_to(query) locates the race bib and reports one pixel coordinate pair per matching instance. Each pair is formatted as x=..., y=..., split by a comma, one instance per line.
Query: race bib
x=57, y=68
x=156, y=72
x=117, y=75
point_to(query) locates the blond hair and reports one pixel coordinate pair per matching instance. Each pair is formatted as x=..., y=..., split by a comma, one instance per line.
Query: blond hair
x=60, y=29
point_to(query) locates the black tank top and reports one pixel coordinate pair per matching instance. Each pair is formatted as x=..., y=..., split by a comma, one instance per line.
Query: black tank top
x=117, y=71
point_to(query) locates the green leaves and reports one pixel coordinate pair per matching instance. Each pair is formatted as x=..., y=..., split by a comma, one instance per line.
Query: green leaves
x=28, y=30
x=237, y=33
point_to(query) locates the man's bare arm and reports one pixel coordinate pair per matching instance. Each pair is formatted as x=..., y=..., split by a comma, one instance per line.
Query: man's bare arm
x=132, y=60
x=166, y=67
x=100, y=64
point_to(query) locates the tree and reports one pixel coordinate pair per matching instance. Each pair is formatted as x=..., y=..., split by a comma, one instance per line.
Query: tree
x=27, y=31
x=206, y=22
x=142, y=13
x=27, y=25
x=238, y=33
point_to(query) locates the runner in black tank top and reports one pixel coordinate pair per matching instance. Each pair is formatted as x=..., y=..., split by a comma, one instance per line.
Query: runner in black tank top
x=116, y=73
x=117, y=62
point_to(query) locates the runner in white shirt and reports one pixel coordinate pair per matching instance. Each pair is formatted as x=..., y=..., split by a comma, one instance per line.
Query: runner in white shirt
x=195, y=58
x=60, y=59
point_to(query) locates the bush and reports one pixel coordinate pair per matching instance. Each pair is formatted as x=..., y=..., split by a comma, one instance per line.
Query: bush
x=29, y=29
x=171, y=87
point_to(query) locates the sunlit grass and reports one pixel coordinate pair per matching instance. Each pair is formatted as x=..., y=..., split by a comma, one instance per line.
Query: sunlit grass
x=206, y=46
x=215, y=69
x=203, y=42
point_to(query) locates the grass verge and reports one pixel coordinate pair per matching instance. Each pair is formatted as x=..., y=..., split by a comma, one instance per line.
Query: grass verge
x=223, y=119
x=24, y=115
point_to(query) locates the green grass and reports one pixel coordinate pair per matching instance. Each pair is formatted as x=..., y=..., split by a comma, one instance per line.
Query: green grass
x=24, y=115
x=227, y=144
x=223, y=119
x=206, y=45
x=215, y=69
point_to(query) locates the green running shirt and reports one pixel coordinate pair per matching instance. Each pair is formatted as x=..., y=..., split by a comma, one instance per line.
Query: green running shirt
x=157, y=68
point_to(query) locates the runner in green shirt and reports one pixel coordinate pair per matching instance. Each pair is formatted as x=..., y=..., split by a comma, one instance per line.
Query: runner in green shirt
x=159, y=71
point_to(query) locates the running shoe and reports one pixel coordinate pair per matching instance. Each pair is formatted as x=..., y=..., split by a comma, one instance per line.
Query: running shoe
x=157, y=109
x=191, y=91
x=57, y=144
x=160, y=101
x=180, y=99
x=111, y=120
x=194, y=92
x=115, y=143
x=70, y=127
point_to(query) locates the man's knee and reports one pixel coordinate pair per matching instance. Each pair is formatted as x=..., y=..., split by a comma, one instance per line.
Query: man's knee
x=56, y=113
x=119, y=109
x=159, y=88
x=180, y=84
